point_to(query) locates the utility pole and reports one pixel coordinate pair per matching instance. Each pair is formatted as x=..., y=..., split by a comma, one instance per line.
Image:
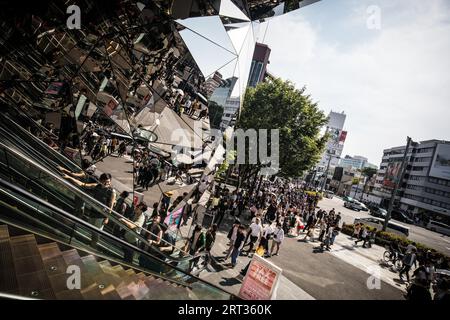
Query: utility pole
x=397, y=183
x=326, y=171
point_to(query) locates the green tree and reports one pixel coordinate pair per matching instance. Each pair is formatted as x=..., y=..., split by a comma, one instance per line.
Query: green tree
x=215, y=114
x=277, y=104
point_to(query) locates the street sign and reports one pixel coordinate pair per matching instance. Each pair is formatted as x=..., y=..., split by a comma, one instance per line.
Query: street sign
x=261, y=280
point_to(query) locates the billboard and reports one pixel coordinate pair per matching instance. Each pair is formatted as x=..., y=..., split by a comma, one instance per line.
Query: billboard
x=440, y=168
x=343, y=136
x=392, y=174
x=261, y=280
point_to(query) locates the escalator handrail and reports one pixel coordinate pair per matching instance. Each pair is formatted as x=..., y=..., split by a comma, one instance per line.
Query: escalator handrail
x=17, y=140
x=113, y=214
x=102, y=233
x=67, y=162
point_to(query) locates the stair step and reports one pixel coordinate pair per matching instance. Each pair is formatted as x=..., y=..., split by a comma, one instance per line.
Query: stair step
x=110, y=293
x=124, y=292
x=8, y=279
x=69, y=295
x=92, y=292
x=4, y=232
x=91, y=264
x=24, y=246
x=106, y=280
x=55, y=266
x=35, y=282
x=28, y=264
x=70, y=256
x=138, y=289
x=49, y=250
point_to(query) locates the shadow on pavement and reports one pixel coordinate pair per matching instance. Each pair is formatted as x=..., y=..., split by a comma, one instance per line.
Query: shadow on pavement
x=227, y=282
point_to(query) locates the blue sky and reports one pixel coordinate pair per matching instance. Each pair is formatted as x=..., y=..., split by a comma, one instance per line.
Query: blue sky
x=390, y=82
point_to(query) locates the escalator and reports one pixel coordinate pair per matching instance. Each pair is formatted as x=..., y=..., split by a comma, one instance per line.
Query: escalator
x=22, y=210
x=45, y=185
x=13, y=134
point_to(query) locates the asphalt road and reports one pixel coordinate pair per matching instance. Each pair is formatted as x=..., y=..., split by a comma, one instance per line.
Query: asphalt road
x=326, y=277
x=418, y=234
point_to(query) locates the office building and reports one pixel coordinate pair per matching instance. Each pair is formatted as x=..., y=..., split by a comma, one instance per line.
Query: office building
x=424, y=191
x=259, y=64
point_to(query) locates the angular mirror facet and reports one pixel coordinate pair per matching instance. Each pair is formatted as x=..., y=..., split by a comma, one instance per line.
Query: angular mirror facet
x=227, y=8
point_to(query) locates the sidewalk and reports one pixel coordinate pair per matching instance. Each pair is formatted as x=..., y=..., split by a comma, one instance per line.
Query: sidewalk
x=229, y=278
x=369, y=260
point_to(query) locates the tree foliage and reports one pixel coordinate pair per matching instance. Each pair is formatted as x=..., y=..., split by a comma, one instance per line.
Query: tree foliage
x=215, y=114
x=277, y=104
x=369, y=172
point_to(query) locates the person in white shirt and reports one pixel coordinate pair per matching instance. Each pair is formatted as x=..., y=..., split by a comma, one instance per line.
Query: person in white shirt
x=255, y=231
x=278, y=237
x=266, y=236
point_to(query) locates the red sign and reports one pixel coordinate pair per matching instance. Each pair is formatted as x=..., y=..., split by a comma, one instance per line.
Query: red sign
x=137, y=198
x=343, y=136
x=260, y=280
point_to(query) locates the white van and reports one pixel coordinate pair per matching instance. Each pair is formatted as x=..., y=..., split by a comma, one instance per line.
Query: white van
x=438, y=227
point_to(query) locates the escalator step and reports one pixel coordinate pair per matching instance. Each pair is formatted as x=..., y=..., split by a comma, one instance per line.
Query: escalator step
x=4, y=232
x=49, y=250
x=24, y=246
x=8, y=278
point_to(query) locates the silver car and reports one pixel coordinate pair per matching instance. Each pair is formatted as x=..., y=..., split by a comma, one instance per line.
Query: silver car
x=354, y=205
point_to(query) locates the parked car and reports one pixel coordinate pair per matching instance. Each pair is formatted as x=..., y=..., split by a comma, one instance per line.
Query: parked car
x=401, y=216
x=363, y=207
x=440, y=227
x=353, y=204
x=347, y=198
x=378, y=212
x=329, y=194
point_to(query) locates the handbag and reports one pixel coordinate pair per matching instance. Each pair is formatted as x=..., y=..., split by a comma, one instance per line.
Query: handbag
x=260, y=251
